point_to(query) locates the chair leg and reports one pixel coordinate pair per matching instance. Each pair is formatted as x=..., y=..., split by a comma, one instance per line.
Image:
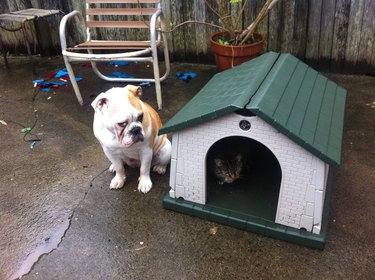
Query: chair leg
x=166, y=57
x=157, y=85
x=158, y=93
x=155, y=64
x=73, y=81
x=95, y=68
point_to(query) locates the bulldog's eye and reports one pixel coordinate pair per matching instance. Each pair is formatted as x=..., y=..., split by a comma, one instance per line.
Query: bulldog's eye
x=140, y=117
x=123, y=124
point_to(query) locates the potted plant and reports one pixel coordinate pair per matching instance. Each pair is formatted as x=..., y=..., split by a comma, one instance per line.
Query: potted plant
x=234, y=45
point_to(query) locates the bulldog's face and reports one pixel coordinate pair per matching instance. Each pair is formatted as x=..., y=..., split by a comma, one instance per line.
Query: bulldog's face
x=121, y=113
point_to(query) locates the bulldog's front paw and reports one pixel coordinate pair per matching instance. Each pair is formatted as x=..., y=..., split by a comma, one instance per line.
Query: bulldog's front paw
x=144, y=184
x=117, y=182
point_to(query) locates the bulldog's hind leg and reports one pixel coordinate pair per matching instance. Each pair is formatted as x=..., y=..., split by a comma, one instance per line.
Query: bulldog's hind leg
x=162, y=158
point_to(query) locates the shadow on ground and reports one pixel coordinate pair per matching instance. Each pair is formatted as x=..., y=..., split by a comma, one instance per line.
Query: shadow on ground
x=59, y=220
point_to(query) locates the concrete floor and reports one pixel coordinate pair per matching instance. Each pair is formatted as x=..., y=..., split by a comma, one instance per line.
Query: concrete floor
x=59, y=220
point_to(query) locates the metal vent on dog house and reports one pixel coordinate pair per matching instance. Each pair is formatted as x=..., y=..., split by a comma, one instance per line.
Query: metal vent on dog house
x=287, y=112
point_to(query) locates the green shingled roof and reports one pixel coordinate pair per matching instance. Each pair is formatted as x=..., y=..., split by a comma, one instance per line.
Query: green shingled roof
x=283, y=91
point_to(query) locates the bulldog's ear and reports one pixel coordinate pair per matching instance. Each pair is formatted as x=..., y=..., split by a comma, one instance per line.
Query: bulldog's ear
x=134, y=90
x=99, y=102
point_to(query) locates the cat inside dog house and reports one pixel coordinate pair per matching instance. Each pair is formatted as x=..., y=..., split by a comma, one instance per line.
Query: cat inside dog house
x=243, y=175
x=256, y=148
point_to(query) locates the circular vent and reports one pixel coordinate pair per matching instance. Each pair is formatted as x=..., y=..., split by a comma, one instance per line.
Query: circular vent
x=245, y=125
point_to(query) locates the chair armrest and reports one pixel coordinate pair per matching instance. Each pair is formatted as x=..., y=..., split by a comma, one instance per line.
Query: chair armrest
x=63, y=22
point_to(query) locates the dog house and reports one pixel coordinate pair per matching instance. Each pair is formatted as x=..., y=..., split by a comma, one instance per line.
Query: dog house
x=288, y=120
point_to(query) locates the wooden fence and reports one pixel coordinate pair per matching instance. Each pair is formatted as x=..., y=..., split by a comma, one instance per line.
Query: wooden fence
x=330, y=35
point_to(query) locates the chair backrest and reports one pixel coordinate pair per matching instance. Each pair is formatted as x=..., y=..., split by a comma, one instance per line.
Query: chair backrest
x=108, y=15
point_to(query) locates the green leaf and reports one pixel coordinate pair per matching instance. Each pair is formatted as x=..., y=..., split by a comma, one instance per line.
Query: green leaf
x=223, y=42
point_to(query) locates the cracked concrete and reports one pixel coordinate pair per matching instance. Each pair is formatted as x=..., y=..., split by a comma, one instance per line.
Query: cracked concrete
x=59, y=220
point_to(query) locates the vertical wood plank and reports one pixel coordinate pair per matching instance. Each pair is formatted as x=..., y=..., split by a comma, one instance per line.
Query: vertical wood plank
x=235, y=9
x=166, y=6
x=300, y=29
x=179, y=33
x=340, y=35
x=15, y=41
x=275, y=21
x=313, y=32
x=366, y=50
x=9, y=40
x=4, y=7
x=250, y=12
x=74, y=34
x=202, y=37
x=80, y=29
x=326, y=34
x=354, y=33
x=17, y=5
x=287, y=26
x=190, y=31
x=263, y=25
x=49, y=26
x=64, y=6
x=213, y=19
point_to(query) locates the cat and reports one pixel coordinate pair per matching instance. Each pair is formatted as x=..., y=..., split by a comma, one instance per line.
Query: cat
x=228, y=168
x=227, y=161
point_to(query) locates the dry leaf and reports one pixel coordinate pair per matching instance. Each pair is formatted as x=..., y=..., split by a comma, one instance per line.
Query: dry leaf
x=213, y=230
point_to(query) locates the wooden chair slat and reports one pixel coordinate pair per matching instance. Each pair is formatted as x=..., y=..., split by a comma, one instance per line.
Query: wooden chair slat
x=112, y=45
x=118, y=24
x=121, y=11
x=115, y=44
x=102, y=48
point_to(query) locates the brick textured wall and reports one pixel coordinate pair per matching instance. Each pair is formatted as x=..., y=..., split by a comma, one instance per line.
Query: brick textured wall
x=303, y=175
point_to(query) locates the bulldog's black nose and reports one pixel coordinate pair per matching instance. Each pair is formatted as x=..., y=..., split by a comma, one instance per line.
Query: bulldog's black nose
x=135, y=130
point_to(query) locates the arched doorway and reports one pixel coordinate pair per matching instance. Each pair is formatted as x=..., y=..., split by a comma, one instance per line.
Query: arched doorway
x=256, y=190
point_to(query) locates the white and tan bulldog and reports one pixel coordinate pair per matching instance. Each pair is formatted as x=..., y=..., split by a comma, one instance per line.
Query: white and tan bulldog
x=127, y=129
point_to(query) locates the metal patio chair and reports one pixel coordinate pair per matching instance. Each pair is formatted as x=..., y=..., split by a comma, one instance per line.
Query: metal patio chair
x=123, y=14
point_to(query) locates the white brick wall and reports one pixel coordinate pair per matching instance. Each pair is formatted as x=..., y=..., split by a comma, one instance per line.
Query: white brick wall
x=303, y=175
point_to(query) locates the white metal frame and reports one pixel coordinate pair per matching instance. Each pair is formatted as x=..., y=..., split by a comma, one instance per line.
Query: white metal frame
x=138, y=55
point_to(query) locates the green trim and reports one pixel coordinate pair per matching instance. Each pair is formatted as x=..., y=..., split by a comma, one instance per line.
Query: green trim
x=256, y=224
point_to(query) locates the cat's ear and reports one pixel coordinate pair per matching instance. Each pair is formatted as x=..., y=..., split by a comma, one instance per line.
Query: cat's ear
x=218, y=162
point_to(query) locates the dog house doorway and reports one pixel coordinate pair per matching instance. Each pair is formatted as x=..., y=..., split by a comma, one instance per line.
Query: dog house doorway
x=256, y=191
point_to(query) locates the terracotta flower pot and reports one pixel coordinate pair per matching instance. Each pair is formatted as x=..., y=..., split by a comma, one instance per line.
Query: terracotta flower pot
x=227, y=56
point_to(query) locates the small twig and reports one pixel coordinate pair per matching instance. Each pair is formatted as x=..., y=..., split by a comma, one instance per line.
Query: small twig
x=194, y=21
x=248, y=32
x=240, y=14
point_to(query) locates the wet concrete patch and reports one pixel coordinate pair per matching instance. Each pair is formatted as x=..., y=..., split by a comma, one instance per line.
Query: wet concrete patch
x=50, y=243
x=124, y=234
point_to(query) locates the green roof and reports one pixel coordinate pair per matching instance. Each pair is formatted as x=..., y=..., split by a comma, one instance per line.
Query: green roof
x=284, y=92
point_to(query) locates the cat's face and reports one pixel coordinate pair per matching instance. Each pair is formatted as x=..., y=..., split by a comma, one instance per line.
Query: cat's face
x=229, y=169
